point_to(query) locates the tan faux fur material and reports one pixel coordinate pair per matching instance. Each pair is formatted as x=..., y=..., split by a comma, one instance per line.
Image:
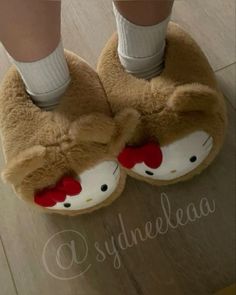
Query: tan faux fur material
x=40, y=147
x=183, y=99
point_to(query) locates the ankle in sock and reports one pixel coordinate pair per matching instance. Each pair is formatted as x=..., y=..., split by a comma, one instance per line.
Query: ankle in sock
x=141, y=48
x=46, y=79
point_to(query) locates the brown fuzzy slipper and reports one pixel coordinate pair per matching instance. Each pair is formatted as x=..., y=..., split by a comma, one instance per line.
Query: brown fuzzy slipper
x=183, y=114
x=64, y=161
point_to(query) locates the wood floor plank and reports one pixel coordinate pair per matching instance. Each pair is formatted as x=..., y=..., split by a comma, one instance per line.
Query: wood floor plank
x=197, y=258
x=212, y=24
x=6, y=281
x=87, y=26
x=227, y=81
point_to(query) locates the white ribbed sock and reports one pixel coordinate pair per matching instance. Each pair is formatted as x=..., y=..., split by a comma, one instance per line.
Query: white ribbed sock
x=141, y=48
x=46, y=79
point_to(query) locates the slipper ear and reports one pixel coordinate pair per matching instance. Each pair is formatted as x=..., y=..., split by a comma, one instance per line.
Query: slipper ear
x=93, y=128
x=23, y=164
x=127, y=122
x=194, y=97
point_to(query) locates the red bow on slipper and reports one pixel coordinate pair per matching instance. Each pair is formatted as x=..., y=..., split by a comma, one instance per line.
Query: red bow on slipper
x=149, y=153
x=49, y=197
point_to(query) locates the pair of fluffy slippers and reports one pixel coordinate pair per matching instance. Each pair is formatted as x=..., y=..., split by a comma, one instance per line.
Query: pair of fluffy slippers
x=75, y=158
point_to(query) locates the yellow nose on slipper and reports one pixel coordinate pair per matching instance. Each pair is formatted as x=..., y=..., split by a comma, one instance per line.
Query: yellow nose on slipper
x=183, y=113
x=64, y=161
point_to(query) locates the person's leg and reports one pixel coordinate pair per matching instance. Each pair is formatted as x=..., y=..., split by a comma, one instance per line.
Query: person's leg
x=30, y=32
x=142, y=27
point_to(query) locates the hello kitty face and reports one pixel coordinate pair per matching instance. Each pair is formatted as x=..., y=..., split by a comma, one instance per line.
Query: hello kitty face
x=170, y=161
x=89, y=189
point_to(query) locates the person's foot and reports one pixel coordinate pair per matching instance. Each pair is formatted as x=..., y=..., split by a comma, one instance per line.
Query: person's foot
x=64, y=160
x=46, y=79
x=141, y=48
x=183, y=115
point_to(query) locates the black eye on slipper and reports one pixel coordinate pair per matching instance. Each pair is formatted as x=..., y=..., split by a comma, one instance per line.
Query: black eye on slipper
x=104, y=187
x=149, y=173
x=193, y=159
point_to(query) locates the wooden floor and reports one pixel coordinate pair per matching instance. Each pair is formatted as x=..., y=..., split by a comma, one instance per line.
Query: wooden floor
x=41, y=254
